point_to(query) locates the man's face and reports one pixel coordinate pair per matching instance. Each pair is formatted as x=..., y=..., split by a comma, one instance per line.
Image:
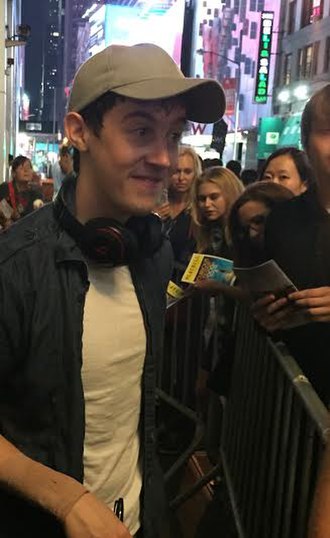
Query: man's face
x=319, y=149
x=127, y=166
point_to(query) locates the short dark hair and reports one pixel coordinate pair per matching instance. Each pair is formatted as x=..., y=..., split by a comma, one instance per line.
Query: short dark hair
x=93, y=115
x=18, y=161
x=317, y=110
x=248, y=176
x=300, y=160
x=234, y=166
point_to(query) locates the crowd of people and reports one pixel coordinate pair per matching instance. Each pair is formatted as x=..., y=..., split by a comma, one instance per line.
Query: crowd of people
x=83, y=282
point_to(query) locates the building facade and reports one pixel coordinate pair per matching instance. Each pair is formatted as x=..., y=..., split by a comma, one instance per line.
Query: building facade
x=11, y=79
x=74, y=22
x=227, y=44
x=302, y=67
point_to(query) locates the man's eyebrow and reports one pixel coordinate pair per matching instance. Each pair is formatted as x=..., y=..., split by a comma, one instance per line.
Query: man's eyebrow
x=138, y=114
x=141, y=114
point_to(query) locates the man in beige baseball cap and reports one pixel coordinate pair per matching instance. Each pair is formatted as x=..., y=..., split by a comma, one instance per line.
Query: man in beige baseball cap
x=145, y=72
x=80, y=432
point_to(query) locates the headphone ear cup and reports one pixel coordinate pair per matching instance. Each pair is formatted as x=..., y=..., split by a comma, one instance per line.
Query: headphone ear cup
x=107, y=241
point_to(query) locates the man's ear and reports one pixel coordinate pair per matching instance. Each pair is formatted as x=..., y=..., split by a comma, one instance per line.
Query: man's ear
x=76, y=131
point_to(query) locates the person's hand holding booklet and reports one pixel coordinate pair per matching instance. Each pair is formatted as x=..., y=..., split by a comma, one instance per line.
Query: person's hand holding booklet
x=270, y=289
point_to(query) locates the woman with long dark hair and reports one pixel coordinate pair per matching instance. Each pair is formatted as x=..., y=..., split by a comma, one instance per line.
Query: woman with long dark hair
x=247, y=220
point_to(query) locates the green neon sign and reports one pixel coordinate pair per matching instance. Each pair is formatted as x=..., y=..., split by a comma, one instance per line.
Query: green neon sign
x=264, y=52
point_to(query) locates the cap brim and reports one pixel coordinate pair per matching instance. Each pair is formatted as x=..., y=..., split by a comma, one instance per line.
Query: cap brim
x=204, y=99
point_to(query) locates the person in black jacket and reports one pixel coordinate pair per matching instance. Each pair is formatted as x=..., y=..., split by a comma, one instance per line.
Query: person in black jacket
x=82, y=304
x=297, y=236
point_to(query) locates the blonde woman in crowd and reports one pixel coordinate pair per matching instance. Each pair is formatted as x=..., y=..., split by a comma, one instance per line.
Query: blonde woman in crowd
x=214, y=193
x=175, y=211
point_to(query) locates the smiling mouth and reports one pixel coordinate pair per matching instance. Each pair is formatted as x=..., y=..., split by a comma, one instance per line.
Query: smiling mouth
x=150, y=179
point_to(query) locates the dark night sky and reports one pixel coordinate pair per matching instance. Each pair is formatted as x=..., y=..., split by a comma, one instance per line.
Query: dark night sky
x=34, y=14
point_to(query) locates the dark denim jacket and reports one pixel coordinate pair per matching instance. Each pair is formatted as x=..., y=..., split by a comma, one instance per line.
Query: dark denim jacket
x=43, y=283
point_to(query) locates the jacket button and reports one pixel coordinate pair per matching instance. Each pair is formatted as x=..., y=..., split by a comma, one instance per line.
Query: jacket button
x=30, y=234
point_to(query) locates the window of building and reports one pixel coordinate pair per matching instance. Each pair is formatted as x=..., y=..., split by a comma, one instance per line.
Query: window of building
x=246, y=27
x=242, y=10
x=317, y=10
x=326, y=66
x=241, y=102
x=247, y=66
x=261, y=5
x=315, y=60
x=287, y=71
x=292, y=16
x=307, y=61
x=253, y=5
x=253, y=30
x=312, y=11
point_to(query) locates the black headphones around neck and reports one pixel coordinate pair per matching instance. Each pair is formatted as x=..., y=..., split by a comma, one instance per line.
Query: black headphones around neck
x=107, y=241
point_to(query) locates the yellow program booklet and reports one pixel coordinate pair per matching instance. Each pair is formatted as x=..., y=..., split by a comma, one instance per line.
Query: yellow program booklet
x=205, y=266
x=174, y=293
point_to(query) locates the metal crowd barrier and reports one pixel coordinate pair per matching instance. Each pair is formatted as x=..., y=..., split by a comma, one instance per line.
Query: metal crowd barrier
x=184, y=348
x=274, y=425
x=274, y=430
x=177, y=374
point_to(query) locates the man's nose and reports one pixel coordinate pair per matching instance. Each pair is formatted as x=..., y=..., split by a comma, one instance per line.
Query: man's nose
x=159, y=155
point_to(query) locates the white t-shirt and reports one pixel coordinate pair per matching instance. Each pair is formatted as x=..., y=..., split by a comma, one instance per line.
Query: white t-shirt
x=114, y=346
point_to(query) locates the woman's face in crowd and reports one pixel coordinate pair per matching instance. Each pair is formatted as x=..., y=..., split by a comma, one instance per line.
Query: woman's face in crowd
x=252, y=216
x=282, y=170
x=183, y=178
x=24, y=172
x=211, y=202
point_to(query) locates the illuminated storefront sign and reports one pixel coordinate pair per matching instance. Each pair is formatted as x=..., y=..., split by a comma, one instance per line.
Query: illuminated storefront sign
x=264, y=55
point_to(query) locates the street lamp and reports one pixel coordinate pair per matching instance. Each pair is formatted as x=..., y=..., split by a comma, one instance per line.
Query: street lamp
x=238, y=86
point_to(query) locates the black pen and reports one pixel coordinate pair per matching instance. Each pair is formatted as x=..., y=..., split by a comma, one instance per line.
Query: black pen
x=119, y=508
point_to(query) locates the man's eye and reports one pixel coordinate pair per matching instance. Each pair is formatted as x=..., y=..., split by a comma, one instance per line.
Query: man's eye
x=142, y=131
x=176, y=136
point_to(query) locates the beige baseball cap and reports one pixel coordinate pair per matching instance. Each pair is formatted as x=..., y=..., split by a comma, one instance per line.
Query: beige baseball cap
x=145, y=72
